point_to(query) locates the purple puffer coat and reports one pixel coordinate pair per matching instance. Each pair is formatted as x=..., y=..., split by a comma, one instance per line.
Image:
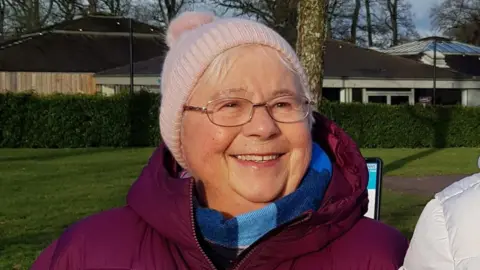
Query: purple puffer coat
x=156, y=230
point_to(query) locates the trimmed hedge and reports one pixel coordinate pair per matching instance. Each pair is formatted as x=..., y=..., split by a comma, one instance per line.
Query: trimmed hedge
x=404, y=126
x=71, y=121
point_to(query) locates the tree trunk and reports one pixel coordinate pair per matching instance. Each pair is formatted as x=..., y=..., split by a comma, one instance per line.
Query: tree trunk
x=353, y=27
x=92, y=6
x=393, y=10
x=311, y=41
x=369, y=23
x=3, y=11
x=285, y=14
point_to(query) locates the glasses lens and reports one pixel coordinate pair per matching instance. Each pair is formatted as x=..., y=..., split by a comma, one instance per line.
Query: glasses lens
x=289, y=109
x=229, y=111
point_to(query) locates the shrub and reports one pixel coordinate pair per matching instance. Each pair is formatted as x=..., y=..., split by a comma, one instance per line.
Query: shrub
x=61, y=121
x=69, y=121
x=384, y=126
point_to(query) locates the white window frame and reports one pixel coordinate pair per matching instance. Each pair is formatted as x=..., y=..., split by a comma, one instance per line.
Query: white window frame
x=410, y=94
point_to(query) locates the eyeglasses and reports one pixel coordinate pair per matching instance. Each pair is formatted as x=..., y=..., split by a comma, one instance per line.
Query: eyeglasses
x=231, y=112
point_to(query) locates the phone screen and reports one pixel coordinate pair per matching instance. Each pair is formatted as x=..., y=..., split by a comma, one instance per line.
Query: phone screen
x=375, y=166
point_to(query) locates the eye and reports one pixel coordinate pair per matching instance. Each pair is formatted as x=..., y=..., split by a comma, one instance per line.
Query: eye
x=231, y=105
x=282, y=104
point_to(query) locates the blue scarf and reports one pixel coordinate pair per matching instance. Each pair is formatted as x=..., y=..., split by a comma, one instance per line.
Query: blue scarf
x=243, y=230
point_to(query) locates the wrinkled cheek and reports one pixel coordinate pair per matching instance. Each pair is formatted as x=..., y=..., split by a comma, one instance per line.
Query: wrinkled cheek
x=299, y=163
x=208, y=162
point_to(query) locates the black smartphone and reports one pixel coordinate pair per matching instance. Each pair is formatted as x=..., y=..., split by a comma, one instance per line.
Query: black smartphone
x=375, y=176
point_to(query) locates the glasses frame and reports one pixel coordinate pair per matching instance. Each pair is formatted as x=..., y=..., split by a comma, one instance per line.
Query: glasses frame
x=254, y=105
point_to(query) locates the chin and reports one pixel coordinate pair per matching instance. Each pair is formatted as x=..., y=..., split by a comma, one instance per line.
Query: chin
x=260, y=193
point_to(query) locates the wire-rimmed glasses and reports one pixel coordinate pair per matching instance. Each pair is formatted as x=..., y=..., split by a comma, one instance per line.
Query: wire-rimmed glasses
x=231, y=112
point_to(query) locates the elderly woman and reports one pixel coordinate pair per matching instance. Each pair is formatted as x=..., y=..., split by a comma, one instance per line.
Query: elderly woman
x=248, y=178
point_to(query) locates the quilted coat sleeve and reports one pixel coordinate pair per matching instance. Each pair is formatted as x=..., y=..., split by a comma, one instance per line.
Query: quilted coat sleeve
x=447, y=235
x=44, y=260
x=430, y=247
x=60, y=255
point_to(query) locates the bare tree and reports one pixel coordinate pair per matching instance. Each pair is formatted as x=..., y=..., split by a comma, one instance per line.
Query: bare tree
x=117, y=7
x=3, y=18
x=339, y=19
x=280, y=15
x=92, y=6
x=459, y=19
x=397, y=20
x=29, y=15
x=160, y=12
x=312, y=15
x=66, y=10
x=392, y=7
x=369, y=23
x=382, y=22
x=355, y=18
x=170, y=8
x=145, y=12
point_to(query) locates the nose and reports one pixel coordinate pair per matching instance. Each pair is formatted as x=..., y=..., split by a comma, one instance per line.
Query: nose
x=261, y=126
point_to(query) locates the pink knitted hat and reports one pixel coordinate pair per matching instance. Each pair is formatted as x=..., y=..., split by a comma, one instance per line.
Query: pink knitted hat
x=194, y=40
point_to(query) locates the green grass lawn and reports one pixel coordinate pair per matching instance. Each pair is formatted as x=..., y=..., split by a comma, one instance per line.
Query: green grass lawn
x=42, y=191
x=427, y=162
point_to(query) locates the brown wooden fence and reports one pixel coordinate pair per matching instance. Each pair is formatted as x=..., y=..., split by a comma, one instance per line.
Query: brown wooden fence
x=48, y=83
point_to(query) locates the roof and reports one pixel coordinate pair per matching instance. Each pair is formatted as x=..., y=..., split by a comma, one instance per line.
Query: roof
x=89, y=44
x=469, y=65
x=98, y=23
x=444, y=46
x=345, y=60
x=342, y=60
x=150, y=67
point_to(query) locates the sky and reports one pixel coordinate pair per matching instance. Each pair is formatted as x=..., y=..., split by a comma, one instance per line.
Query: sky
x=421, y=10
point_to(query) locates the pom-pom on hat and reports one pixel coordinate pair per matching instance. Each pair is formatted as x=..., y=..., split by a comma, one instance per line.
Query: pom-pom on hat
x=194, y=40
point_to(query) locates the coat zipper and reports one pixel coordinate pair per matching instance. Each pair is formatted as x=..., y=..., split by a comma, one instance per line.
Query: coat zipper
x=303, y=219
x=237, y=265
x=192, y=219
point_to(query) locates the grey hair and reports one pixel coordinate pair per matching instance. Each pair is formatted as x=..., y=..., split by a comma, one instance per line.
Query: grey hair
x=221, y=65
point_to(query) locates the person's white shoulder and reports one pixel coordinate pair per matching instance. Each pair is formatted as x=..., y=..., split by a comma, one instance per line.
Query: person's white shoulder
x=447, y=235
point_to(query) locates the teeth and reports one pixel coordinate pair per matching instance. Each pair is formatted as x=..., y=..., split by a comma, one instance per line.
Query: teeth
x=257, y=158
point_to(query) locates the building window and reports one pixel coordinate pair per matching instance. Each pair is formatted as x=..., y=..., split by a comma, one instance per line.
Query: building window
x=332, y=94
x=389, y=97
x=399, y=100
x=449, y=96
x=357, y=95
x=377, y=99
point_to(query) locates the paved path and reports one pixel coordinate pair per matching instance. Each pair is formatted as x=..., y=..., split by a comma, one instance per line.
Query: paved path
x=428, y=185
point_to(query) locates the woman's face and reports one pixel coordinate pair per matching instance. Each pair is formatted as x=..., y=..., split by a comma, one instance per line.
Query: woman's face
x=227, y=161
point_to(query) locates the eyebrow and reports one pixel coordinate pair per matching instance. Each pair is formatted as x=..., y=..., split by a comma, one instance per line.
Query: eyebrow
x=276, y=93
x=282, y=92
x=227, y=92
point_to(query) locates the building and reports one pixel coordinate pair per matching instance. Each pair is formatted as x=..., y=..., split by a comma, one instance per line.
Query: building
x=146, y=77
x=64, y=57
x=452, y=55
x=352, y=74
x=455, y=55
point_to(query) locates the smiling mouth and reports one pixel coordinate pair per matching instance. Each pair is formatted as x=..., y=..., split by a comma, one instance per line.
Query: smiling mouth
x=258, y=158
